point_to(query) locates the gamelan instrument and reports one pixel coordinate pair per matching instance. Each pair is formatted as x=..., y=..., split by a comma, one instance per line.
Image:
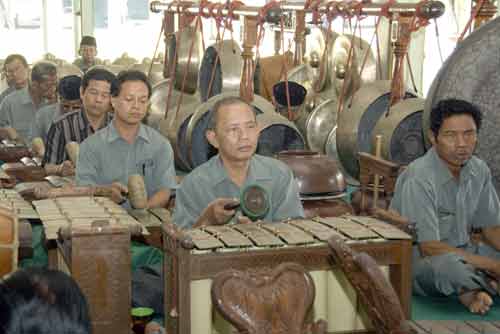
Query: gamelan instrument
x=195, y=256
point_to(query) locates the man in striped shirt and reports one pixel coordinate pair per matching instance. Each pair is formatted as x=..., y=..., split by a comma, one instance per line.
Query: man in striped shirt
x=95, y=92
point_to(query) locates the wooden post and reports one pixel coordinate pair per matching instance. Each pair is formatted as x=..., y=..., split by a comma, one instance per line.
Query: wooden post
x=300, y=19
x=402, y=39
x=485, y=13
x=249, y=41
x=376, y=177
x=169, y=34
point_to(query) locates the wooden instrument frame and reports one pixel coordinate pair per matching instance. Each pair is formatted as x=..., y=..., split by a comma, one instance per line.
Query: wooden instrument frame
x=182, y=267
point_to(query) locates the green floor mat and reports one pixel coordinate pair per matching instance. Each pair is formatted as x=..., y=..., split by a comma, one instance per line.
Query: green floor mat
x=144, y=255
x=428, y=308
x=40, y=257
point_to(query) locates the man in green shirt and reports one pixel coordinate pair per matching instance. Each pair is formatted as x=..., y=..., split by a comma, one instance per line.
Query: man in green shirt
x=448, y=193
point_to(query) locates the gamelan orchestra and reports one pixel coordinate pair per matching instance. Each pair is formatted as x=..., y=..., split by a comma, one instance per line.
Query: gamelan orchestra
x=220, y=189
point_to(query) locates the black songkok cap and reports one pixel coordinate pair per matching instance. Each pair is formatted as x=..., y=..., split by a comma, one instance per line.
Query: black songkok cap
x=88, y=40
x=69, y=87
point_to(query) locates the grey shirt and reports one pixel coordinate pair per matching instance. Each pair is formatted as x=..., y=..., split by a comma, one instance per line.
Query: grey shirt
x=44, y=119
x=210, y=181
x=18, y=111
x=105, y=158
x=6, y=92
x=444, y=208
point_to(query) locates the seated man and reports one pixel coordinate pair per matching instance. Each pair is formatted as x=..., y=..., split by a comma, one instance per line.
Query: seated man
x=88, y=53
x=69, y=100
x=447, y=193
x=127, y=147
x=18, y=109
x=233, y=130
x=95, y=114
x=16, y=70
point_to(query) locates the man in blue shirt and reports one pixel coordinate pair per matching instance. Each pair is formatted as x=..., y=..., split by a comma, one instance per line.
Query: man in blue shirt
x=205, y=193
x=127, y=147
x=448, y=193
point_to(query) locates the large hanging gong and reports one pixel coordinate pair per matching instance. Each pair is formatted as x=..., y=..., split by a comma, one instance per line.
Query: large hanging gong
x=340, y=70
x=226, y=57
x=186, y=37
x=173, y=129
x=472, y=73
x=401, y=131
x=317, y=124
x=356, y=123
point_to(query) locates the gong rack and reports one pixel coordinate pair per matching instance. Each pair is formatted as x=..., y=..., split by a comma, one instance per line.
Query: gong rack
x=405, y=18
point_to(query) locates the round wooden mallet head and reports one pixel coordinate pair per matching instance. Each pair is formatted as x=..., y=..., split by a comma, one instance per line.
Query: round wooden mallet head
x=72, y=149
x=137, y=192
x=38, y=147
x=11, y=133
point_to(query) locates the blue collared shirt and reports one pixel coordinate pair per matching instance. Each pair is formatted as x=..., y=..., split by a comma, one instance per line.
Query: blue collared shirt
x=18, y=111
x=105, y=157
x=44, y=119
x=445, y=208
x=210, y=181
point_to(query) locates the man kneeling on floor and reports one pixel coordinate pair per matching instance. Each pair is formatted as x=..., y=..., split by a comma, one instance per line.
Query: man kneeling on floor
x=448, y=194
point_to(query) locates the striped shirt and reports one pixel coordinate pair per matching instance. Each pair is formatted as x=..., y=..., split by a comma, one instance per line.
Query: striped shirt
x=73, y=126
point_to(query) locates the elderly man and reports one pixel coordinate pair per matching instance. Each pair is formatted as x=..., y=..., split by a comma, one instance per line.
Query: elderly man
x=69, y=100
x=448, y=193
x=206, y=194
x=95, y=92
x=88, y=53
x=127, y=147
x=18, y=109
x=16, y=70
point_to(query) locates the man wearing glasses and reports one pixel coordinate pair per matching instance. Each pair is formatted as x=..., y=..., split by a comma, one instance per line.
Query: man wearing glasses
x=18, y=109
x=69, y=100
x=16, y=70
x=448, y=194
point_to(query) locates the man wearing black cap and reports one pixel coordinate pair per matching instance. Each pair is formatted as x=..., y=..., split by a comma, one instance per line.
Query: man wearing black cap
x=69, y=100
x=88, y=52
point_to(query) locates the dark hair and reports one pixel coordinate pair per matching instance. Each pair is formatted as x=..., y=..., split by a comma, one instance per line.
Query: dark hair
x=42, y=301
x=131, y=75
x=451, y=107
x=88, y=40
x=69, y=87
x=15, y=56
x=98, y=73
x=224, y=102
x=42, y=69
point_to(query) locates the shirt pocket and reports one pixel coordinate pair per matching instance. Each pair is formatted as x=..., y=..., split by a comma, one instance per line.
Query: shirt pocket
x=446, y=223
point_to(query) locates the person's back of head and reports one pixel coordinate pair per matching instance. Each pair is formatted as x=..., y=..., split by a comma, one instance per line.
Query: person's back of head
x=39, y=301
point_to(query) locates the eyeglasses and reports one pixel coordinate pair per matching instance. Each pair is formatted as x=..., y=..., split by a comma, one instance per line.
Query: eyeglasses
x=12, y=70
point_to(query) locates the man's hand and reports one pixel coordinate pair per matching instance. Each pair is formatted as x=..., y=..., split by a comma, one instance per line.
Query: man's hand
x=220, y=215
x=66, y=169
x=118, y=192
